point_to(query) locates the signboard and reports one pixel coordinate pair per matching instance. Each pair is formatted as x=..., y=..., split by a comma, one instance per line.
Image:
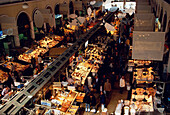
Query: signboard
x=109, y=27
x=143, y=9
x=148, y=45
x=113, y=9
x=64, y=8
x=78, y=5
x=71, y=88
x=38, y=19
x=45, y=102
x=144, y=22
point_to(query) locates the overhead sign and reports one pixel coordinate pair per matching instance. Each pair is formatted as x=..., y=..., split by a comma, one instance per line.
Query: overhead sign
x=113, y=9
x=144, y=22
x=143, y=9
x=38, y=19
x=148, y=45
x=109, y=27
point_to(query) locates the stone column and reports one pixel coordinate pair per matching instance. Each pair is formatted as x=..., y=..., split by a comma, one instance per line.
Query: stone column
x=168, y=64
x=45, y=27
x=32, y=30
x=17, y=42
x=94, y=12
x=54, y=21
x=16, y=37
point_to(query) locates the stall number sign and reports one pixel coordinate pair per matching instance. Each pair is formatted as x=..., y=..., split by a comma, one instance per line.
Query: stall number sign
x=47, y=103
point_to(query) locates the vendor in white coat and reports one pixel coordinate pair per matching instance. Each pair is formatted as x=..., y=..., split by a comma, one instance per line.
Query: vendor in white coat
x=122, y=84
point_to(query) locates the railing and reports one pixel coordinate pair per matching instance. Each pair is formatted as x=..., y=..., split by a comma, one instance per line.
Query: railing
x=3, y=2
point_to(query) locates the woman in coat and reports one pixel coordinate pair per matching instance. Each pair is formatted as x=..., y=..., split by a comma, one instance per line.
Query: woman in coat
x=102, y=100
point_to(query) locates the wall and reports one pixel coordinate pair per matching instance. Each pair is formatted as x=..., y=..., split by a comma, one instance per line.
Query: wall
x=13, y=10
x=166, y=8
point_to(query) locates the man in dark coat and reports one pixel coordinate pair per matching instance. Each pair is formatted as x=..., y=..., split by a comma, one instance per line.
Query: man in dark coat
x=87, y=102
x=93, y=101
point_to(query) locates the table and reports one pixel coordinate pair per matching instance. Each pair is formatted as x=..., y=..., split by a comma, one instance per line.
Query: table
x=31, y=53
x=65, y=100
x=81, y=72
x=18, y=66
x=143, y=75
x=142, y=100
x=3, y=76
x=48, y=42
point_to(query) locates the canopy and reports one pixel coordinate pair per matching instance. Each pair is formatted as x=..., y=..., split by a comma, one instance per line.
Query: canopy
x=92, y=2
x=98, y=4
x=109, y=27
x=113, y=9
x=54, y=52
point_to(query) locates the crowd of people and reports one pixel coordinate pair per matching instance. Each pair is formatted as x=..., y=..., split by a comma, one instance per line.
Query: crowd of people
x=112, y=70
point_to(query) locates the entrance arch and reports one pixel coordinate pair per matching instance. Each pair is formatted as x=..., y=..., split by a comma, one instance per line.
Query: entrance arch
x=164, y=22
x=52, y=25
x=51, y=10
x=58, y=17
x=71, y=7
x=23, y=23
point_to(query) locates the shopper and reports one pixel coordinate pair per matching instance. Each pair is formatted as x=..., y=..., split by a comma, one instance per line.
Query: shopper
x=113, y=79
x=107, y=87
x=97, y=84
x=87, y=102
x=5, y=90
x=86, y=89
x=17, y=77
x=70, y=81
x=102, y=100
x=134, y=83
x=33, y=62
x=93, y=101
x=129, y=91
x=122, y=84
x=9, y=81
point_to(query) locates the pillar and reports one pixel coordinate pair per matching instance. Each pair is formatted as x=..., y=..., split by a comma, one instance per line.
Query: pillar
x=45, y=27
x=94, y=12
x=17, y=41
x=169, y=63
x=54, y=21
x=32, y=30
x=16, y=37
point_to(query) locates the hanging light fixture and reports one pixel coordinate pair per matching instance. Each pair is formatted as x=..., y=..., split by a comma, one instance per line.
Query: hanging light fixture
x=25, y=5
